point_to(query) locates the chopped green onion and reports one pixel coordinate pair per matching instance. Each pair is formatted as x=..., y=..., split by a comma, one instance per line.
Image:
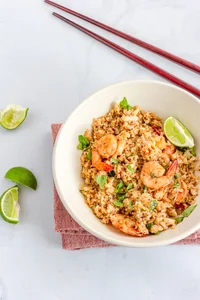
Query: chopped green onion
x=114, y=160
x=130, y=169
x=193, y=151
x=89, y=156
x=111, y=173
x=188, y=210
x=119, y=187
x=153, y=204
x=129, y=186
x=121, y=196
x=176, y=185
x=118, y=203
x=149, y=225
x=179, y=220
x=130, y=205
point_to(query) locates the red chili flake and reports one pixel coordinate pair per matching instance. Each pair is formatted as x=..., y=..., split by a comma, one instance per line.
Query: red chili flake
x=157, y=129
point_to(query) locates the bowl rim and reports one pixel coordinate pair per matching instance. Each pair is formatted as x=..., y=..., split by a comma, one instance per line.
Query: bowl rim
x=67, y=207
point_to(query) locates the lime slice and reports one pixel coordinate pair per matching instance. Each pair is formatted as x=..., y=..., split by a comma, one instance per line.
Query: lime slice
x=12, y=116
x=9, y=206
x=22, y=176
x=177, y=134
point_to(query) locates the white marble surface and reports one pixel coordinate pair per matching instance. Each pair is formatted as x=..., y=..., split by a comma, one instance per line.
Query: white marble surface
x=50, y=67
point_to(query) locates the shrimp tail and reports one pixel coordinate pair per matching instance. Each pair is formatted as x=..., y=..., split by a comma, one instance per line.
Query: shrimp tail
x=107, y=167
x=172, y=169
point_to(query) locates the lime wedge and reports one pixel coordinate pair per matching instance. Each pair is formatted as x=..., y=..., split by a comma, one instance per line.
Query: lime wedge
x=9, y=206
x=12, y=116
x=177, y=134
x=22, y=176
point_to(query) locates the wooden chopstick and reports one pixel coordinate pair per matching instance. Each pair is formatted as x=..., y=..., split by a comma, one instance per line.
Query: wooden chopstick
x=133, y=57
x=130, y=38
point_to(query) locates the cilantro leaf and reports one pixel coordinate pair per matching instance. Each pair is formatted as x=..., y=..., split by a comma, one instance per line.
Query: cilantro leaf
x=83, y=142
x=101, y=180
x=124, y=104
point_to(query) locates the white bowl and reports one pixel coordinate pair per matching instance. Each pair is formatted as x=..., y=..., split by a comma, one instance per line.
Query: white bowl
x=163, y=99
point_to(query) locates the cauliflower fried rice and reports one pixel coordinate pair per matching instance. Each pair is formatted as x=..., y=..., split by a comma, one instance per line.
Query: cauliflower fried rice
x=115, y=190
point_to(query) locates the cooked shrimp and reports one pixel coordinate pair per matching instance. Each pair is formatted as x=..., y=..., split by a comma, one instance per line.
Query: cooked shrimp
x=169, y=150
x=98, y=163
x=108, y=146
x=182, y=193
x=121, y=142
x=152, y=174
x=125, y=224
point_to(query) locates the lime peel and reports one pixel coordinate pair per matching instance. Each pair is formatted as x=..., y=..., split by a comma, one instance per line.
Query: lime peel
x=22, y=176
x=12, y=116
x=9, y=206
x=177, y=133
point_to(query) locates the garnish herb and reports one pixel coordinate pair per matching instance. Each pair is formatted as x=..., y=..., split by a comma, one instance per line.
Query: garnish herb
x=159, y=231
x=193, y=151
x=118, y=203
x=153, y=204
x=130, y=205
x=101, y=180
x=179, y=220
x=176, y=176
x=111, y=173
x=149, y=225
x=129, y=186
x=145, y=188
x=119, y=187
x=124, y=104
x=83, y=142
x=188, y=210
x=176, y=185
x=130, y=169
x=114, y=160
x=185, y=213
x=121, y=196
x=89, y=156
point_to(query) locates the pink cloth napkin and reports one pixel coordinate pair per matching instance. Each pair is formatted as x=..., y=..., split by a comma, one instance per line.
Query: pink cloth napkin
x=73, y=235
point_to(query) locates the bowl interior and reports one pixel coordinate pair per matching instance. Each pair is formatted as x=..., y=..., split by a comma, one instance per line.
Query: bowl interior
x=161, y=98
